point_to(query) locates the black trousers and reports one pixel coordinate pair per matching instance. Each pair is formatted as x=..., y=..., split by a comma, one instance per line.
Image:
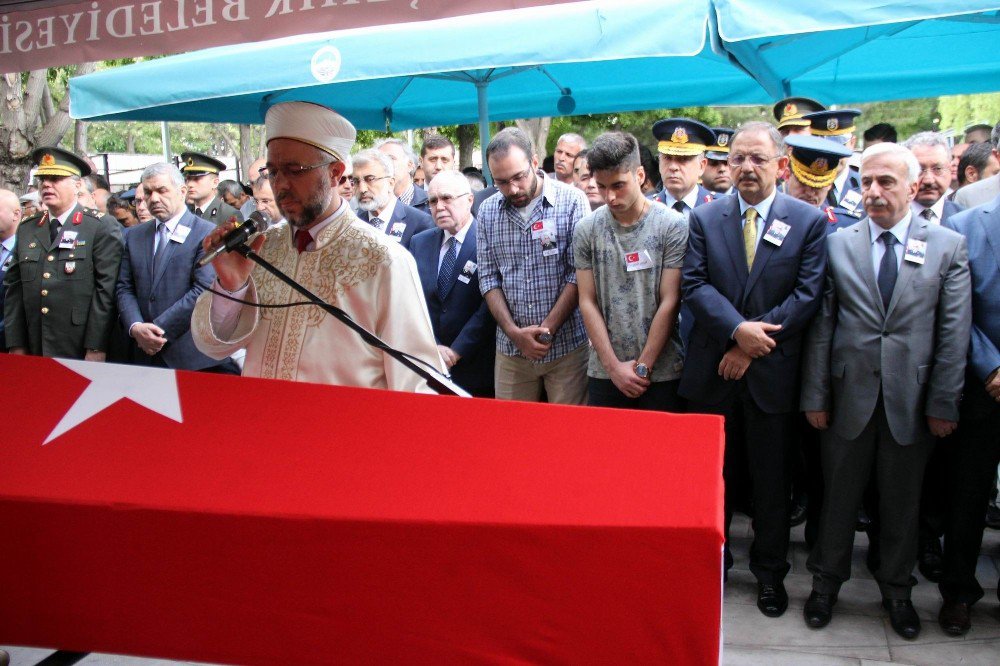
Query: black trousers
x=759, y=447
x=660, y=396
x=971, y=465
x=899, y=473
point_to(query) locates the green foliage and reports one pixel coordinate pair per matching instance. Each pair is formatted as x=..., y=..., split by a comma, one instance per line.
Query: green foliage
x=960, y=111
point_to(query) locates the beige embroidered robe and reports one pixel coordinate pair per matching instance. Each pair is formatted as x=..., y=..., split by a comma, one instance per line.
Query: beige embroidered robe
x=354, y=267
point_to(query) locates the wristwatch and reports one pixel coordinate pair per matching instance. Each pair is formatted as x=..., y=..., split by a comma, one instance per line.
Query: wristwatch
x=642, y=370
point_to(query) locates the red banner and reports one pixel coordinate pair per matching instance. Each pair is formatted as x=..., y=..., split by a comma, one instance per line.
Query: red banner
x=211, y=518
x=52, y=33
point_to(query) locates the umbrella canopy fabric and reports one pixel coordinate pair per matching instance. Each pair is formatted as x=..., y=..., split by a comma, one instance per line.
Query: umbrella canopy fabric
x=859, y=51
x=582, y=57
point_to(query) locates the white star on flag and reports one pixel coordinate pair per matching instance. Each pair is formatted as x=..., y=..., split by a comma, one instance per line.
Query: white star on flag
x=153, y=388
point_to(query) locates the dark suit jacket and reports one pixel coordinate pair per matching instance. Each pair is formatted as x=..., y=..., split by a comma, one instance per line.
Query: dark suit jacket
x=783, y=287
x=3, y=290
x=482, y=195
x=167, y=297
x=414, y=222
x=461, y=321
x=419, y=200
x=981, y=228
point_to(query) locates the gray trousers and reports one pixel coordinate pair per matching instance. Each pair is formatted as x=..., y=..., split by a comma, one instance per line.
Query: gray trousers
x=899, y=474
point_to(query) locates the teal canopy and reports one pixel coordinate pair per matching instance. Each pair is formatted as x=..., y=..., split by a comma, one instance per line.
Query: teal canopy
x=581, y=57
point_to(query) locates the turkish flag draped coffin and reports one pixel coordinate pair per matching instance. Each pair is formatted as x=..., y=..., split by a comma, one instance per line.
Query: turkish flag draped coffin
x=190, y=516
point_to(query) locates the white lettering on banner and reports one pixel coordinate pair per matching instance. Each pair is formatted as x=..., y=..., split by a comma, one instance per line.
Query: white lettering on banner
x=180, y=25
x=71, y=27
x=153, y=17
x=145, y=18
x=206, y=9
x=45, y=33
x=227, y=10
x=112, y=22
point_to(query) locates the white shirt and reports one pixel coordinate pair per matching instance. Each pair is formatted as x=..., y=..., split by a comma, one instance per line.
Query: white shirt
x=171, y=225
x=937, y=209
x=763, y=210
x=900, y=231
x=689, y=200
x=459, y=239
x=382, y=219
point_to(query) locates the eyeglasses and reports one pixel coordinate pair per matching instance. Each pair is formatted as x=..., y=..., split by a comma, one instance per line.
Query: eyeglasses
x=368, y=180
x=936, y=170
x=516, y=178
x=289, y=171
x=446, y=199
x=738, y=160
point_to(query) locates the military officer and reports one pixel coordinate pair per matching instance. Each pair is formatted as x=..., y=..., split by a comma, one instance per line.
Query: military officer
x=813, y=167
x=61, y=287
x=789, y=111
x=682, y=143
x=201, y=175
x=839, y=126
x=717, y=178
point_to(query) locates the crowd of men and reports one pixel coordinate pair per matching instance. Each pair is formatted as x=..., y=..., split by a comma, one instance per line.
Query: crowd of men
x=838, y=309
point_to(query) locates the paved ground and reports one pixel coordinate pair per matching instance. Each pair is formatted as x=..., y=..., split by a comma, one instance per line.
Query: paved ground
x=859, y=633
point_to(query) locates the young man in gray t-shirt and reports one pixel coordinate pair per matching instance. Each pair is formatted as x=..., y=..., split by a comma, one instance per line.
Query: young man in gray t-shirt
x=628, y=256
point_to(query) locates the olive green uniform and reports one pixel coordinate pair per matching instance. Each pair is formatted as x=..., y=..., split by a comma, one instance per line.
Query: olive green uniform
x=217, y=212
x=61, y=301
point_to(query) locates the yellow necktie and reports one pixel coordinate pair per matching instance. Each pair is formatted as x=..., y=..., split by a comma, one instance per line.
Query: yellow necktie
x=750, y=236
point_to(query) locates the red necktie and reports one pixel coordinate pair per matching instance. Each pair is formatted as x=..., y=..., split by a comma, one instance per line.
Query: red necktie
x=302, y=239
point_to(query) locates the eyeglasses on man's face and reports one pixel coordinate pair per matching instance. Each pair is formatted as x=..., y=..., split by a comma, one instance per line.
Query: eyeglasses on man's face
x=289, y=171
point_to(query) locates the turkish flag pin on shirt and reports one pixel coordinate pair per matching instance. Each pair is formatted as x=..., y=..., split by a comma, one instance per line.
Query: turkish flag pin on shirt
x=637, y=261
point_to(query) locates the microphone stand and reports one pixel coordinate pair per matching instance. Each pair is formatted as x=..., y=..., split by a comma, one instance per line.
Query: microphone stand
x=440, y=383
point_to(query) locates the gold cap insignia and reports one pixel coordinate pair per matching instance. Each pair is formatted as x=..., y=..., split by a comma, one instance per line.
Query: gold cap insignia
x=48, y=160
x=680, y=135
x=723, y=139
x=190, y=161
x=791, y=109
x=820, y=165
x=832, y=124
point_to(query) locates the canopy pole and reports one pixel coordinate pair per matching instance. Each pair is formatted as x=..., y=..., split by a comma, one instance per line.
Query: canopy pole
x=484, y=126
x=165, y=139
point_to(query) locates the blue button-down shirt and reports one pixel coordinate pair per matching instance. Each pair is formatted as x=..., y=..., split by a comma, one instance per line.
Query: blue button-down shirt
x=511, y=260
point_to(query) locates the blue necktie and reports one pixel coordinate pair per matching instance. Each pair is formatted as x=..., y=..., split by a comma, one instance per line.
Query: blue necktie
x=161, y=244
x=887, y=270
x=447, y=272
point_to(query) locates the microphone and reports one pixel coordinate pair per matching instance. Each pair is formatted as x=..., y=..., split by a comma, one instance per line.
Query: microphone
x=243, y=233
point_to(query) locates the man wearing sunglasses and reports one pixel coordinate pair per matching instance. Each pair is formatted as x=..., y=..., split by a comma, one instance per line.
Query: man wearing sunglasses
x=752, y=277
x=325, y=247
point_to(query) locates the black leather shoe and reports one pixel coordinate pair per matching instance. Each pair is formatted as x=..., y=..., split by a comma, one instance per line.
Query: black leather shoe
x=902, y=617
x=819, y=609
x=954, y=618
x=772, y=600
x=931, y=561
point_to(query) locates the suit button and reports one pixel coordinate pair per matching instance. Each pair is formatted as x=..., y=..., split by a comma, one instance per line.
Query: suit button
x=45, y=292
x=45, y=310
x=50, y=258
x=152, y=298
x=46, y=275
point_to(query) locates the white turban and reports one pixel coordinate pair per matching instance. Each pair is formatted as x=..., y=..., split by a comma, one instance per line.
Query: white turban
x=314, y=124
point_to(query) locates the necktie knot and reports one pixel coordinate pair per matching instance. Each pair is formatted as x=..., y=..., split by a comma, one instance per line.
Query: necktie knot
x=302, y=239
x=888, y=239
x=678, y=206
x=927, y=214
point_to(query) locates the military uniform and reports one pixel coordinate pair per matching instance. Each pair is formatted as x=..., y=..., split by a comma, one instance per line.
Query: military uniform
x=839, y=126
x=216, y=211
x=61, y=293
x=789, y=112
